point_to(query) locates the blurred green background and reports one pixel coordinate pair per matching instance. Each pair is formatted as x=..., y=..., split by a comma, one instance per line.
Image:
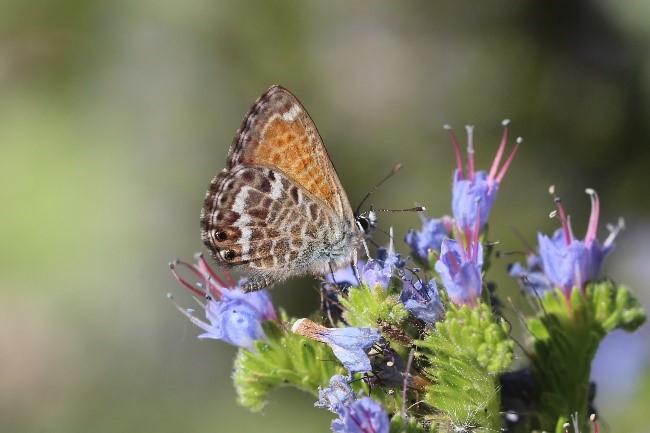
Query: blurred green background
x=115, y=115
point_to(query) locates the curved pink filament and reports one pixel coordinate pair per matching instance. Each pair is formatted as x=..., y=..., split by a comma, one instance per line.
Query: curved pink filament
x=506, y=165
x=566, y=227
x=499, y=155
x=459, y=158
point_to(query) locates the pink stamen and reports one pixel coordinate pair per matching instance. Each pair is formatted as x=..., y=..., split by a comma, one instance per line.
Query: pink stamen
x=570, y=226
x=459, y=158
x=183, y=281
x=506, y=165
x=204, y=276
x=592, y=228
x=471, y=160
x=204, y=266
x=502, y=148
x=566, y=227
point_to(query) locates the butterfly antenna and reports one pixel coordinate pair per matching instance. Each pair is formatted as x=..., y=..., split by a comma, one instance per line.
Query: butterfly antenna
x=395, y=169
x=410, y=209
x=522, y=239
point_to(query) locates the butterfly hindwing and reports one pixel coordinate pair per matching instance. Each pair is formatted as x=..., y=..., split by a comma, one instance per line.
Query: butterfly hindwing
x=258, y=216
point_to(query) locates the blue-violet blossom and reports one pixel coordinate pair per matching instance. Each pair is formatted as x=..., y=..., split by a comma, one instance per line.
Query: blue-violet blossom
x=430, y=237
x=374, y=272
x=378, y=272
x=349, y=344
x=472, y=187
x=423, y=300
x=460, y=267
x=337, y=396
x=232, y=315
x=531, y=277
x=362, y=416
x=569, y=262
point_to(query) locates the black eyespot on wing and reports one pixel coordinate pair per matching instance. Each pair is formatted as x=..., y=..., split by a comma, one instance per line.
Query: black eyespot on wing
x=221, y=235
x=229, y=255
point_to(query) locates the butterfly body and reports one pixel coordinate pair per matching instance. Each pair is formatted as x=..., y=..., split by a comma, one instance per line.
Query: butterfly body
x=279, y=206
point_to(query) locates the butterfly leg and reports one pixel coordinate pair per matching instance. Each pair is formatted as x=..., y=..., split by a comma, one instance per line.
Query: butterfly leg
x=355, y=269
x=365, y=249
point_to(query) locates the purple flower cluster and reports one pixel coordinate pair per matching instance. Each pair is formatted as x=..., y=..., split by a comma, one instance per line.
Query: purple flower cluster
x=564, y=261
x=473, y=194
x=232, y=315
x=374, y=272
x=429, y=238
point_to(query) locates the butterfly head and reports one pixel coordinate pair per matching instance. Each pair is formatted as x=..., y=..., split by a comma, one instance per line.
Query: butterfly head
x=366, y=221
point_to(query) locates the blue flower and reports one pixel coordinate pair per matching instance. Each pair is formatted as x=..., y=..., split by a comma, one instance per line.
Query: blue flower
x=337, y=396
x=474, y=192
x=372, y=273
x=380, y=270
x=232, y=315
x=569, y=262
x=459, y=268
x=349, y=344
x=363, y=416
x=430, y=237
x=531, y=277
x=472, y=199
x=423, y=301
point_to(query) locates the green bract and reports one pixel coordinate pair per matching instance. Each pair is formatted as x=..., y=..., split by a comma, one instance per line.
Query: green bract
x=283, y=359
x=366, y=306
x=566, y=335
x=465, y=353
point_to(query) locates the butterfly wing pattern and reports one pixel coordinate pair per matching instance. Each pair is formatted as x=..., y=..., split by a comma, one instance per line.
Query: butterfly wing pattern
x=279, y=206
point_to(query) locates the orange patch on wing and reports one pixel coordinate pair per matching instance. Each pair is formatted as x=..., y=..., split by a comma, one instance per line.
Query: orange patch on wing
x=287, y=146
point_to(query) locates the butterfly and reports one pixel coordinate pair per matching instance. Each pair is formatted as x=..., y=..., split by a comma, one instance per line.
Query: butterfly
x=279, y=206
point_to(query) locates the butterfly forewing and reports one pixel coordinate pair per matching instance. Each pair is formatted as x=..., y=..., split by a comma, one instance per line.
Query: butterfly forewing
x=278, y=132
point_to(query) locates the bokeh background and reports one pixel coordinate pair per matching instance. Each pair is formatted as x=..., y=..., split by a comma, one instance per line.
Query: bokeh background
x=115, y=115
